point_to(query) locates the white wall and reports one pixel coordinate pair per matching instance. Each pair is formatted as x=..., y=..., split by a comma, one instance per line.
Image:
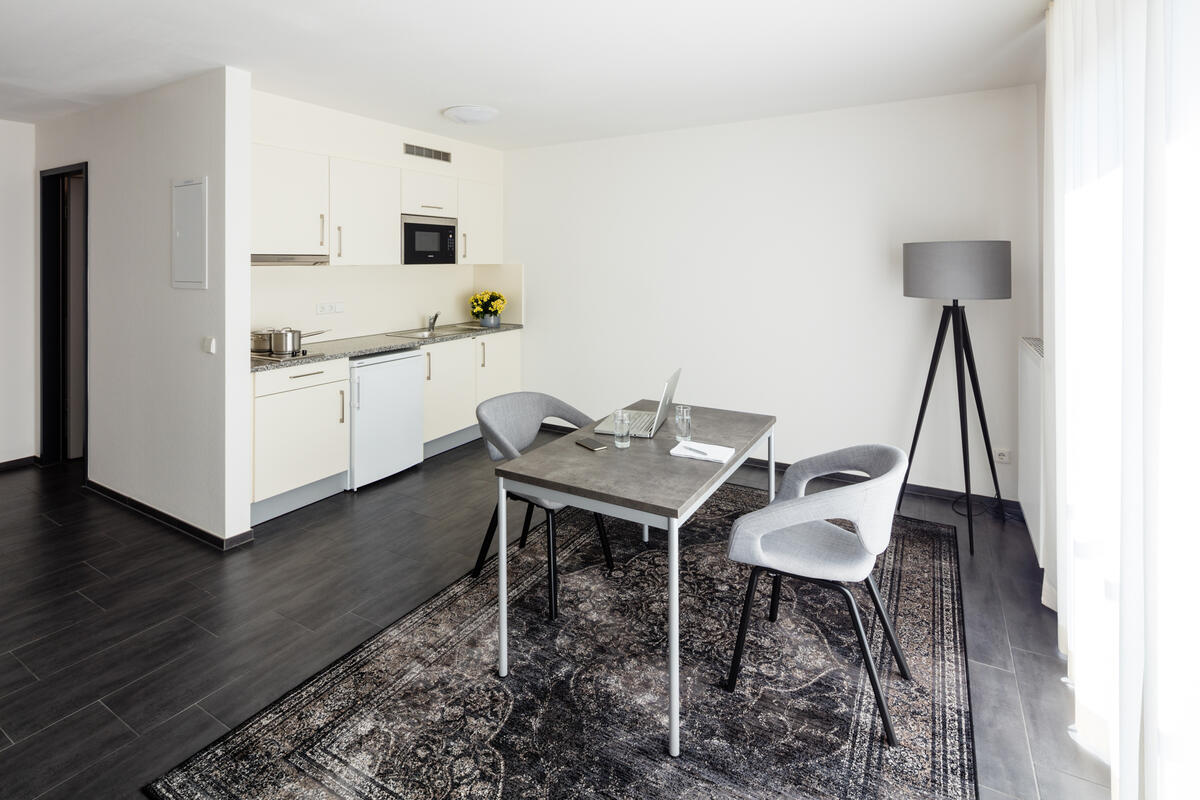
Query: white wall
x=375, y=298
x=18, y=279
x=765, y=258
x=168, y=424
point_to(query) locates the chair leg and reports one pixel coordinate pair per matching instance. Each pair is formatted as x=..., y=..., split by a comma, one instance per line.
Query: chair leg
x=870, y=663
x=525, y=527
x=487, y=542
x=887, y=628
x=604, y=541
x=776, y=586
x=736, y=666
x=552, y=561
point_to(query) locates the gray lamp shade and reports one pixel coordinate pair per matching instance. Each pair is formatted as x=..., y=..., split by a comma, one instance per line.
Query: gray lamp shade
x=958, y=270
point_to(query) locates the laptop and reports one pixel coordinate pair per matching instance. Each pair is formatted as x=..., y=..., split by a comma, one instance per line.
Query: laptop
x=644, y=424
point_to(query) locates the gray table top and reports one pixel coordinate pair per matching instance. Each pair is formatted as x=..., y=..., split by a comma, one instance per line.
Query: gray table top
x=644, y=476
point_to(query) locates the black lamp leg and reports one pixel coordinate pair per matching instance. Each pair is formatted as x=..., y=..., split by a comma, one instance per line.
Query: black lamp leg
x=960, y=378
x=987, y=439
x=933, y=365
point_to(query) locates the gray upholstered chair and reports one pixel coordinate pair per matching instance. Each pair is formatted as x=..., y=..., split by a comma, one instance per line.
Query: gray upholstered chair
x=793, y=537
x=509, y=424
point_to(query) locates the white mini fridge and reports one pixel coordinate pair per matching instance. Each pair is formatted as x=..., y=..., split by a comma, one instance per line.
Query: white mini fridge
x=386, y=415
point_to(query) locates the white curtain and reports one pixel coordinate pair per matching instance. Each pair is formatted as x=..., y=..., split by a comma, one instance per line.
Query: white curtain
x=1123, y=304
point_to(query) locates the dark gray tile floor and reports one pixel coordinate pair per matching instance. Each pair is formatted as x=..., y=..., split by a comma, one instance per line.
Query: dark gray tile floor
x=125, y=647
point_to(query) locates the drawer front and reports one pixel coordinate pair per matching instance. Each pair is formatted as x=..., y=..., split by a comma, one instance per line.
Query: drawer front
x=300, y=376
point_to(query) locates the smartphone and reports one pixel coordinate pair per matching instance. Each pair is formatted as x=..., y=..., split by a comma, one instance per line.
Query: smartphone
x=591, y=444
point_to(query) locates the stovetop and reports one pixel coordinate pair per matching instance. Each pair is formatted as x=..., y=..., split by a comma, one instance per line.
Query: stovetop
x=284, y=357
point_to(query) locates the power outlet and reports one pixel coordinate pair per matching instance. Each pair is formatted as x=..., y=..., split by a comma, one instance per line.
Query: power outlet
x=330, y=308
x=1003, y=455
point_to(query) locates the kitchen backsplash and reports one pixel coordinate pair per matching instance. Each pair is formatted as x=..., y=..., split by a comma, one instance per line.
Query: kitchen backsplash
x=378, y=298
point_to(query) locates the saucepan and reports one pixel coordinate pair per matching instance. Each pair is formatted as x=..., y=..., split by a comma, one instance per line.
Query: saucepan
x=287, y=340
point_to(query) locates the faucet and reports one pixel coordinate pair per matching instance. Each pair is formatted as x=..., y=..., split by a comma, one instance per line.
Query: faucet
x=433, y=320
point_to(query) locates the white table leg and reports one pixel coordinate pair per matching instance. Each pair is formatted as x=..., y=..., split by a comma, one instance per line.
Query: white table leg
x=771, y=465
x=645, y=533
x=502, y=575
x=673, y=628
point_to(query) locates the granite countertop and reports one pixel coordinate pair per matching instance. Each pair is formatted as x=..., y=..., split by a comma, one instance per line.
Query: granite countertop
x=375, y=343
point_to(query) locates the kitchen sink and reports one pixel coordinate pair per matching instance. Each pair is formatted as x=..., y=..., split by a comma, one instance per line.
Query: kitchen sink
x=448, y=330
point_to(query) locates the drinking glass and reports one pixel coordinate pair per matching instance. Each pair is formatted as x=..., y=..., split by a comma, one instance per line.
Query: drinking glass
x=683, y=423
x=621, y=428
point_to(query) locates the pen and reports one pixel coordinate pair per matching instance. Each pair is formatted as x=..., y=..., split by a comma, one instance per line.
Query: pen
x=694, y=450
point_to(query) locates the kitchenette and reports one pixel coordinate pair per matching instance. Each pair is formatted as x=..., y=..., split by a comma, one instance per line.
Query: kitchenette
x=363, y=240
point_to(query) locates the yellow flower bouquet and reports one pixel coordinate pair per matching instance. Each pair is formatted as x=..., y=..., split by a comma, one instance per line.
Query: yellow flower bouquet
x=486, y=307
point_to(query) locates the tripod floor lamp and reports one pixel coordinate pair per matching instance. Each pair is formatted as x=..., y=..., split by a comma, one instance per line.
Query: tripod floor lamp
x=954, y=271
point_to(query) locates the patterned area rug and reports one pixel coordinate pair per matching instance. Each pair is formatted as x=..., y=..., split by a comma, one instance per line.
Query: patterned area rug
x=419, y=712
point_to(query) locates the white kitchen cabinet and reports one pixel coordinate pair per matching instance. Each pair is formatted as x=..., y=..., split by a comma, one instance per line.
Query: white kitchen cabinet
x=480, y=223
x=430, y=195
x=302, y=434
x=364, y=206
x=497, y=365
x=289, y=212
x=449, y=387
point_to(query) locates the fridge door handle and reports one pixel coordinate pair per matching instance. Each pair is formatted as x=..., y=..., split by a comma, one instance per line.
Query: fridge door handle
x=357, y=393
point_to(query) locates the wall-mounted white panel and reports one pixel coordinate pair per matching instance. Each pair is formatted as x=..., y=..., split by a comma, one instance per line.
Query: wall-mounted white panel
x=189, y=234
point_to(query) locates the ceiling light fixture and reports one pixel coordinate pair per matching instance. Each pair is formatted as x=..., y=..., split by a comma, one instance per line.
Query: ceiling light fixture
x=470, y=115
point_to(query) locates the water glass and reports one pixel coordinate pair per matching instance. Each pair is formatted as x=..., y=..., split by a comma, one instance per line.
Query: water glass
x=621, y=424
x=683, y=423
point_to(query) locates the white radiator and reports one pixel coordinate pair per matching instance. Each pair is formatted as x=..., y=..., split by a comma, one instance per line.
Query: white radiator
x=1030, y=488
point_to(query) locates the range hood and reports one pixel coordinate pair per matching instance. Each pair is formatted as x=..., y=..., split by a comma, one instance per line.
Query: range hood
x=287, y=259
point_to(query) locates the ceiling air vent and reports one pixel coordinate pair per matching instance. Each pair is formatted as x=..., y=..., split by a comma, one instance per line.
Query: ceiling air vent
x=426, y=152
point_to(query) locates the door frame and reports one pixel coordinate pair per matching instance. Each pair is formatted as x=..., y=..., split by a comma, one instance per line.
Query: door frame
x=53, y=313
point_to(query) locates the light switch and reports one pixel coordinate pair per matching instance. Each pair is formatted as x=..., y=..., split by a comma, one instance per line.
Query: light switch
x=210, y=345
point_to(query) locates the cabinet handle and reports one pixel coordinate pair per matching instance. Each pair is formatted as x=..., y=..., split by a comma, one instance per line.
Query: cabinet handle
x=322, y=242
x=464, y=238
x=428, y=365
x=306, y=374
x=342, y=403
x=339, y=241
x=483, y=346
x=439, y=208
x=358, y=393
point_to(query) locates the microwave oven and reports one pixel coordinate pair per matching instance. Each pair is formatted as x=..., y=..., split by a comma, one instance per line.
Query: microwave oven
x=428, y=240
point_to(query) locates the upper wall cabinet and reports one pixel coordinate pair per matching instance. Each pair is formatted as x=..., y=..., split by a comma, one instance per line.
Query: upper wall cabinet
x=430, y=195
x=480, y=223
x=290, y=202
x=364, y=202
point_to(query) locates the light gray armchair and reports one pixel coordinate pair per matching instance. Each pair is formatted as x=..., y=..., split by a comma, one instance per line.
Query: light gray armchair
x=793, y=537
x=509, y=424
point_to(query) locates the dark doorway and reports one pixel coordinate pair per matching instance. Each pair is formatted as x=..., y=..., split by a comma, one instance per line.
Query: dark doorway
x=64, y=313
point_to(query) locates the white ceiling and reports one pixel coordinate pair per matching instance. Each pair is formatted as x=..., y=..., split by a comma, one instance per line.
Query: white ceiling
x=558, y=70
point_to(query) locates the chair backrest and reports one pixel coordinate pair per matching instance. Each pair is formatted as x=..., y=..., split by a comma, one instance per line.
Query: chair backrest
x=884, y=466
x=510, y=422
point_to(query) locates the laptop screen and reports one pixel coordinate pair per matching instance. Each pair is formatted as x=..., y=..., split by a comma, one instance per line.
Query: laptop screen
x=664, y=403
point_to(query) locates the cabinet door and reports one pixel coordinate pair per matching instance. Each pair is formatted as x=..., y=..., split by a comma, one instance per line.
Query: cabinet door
x=300, y=436
x=430, y=195
x=289, y=207
x=364, y=203
x=449, y=387
x=497, y=365
x=480, y=223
